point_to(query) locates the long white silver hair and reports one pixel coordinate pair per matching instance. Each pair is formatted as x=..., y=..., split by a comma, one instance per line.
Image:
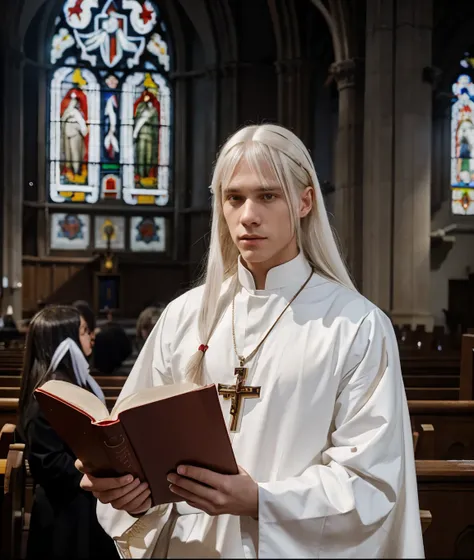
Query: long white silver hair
x=265, y=147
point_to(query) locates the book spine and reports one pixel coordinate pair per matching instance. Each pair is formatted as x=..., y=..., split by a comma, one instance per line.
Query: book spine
x=120, y=452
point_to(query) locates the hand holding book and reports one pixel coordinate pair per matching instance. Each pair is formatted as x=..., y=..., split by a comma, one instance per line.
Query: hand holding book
x=215, y=493
x=210, y=492
x=124, y=493
x=147, y=435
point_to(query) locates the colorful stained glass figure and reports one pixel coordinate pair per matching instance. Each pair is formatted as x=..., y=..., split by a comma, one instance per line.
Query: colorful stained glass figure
x=462, y=144
x=117, y=241
x=110, y=103
x=70, y=231
x=147, y=234
x=146, y=139
x=74, y=132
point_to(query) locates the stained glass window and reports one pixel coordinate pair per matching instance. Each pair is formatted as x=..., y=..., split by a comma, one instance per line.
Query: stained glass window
x=147, y=234
x=70, y=231
x=110, y=104
x=462, y=141
x=117, y=225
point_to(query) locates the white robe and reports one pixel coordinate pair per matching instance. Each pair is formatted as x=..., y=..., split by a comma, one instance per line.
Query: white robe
x=329, y=441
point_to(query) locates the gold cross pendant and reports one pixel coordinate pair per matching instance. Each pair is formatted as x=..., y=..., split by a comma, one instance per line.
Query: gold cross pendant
x=237, y=393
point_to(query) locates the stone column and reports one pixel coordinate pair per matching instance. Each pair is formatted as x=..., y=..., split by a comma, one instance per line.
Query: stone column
x=348, y=166
x=13, y=180
x=412, y=164
x=378, y=154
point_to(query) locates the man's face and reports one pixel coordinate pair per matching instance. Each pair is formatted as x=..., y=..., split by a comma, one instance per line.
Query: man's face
x=258, y=218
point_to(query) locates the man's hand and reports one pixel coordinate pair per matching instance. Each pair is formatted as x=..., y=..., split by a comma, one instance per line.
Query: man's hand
x=215, y=493
x=124, y=493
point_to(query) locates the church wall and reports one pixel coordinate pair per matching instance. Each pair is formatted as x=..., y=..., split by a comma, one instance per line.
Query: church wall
x=457, y=262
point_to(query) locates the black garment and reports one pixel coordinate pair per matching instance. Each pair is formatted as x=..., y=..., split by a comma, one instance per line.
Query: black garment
x=63, y=519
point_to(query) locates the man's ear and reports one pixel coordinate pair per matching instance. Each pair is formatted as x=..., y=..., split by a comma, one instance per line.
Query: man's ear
x=306, y=202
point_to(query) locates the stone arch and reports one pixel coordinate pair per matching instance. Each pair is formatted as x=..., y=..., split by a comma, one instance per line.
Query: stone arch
x=30, y=9
x=199, y=16
x=335, y=13
x=340, y=17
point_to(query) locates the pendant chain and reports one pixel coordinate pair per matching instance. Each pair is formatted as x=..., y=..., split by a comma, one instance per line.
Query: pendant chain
x=242, y=359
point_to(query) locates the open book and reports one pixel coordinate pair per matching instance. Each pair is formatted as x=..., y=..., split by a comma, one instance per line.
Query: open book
x=148, y=434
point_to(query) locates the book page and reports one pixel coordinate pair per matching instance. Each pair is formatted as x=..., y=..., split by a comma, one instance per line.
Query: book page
x=77, y=396
x=151, y=394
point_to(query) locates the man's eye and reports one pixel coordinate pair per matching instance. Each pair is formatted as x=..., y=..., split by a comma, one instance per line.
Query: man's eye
x=268, y=196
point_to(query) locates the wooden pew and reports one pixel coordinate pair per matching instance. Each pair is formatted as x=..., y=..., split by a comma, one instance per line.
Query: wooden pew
x=467, y=368
x=110, y=380
x=424, y=442
x=8, y=411
x=452, y=432
x=11, y=360
x=432, y=393
x=426, y=518
x=13, y=518
x=7, y=437
x=437, y=380
x=446, y=489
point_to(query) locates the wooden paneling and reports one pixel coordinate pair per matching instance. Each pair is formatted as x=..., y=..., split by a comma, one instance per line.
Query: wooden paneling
x=63, y=282
x=29, y=287
x=54, y=283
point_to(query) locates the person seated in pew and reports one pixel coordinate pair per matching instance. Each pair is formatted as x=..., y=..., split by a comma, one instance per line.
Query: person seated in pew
x=111, y=350
x=89, y=317
x=9, y=331
x=63, y=519
x=146, y=322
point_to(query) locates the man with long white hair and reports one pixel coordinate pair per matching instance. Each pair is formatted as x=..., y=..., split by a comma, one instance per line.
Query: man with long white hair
x=324, y=443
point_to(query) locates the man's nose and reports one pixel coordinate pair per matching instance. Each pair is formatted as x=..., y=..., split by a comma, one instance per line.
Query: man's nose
x=250, y=214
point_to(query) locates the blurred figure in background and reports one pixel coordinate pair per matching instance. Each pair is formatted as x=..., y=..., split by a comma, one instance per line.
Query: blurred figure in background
x=9, y=332
x=145, y=323
x=86, y=312
x=111, y=350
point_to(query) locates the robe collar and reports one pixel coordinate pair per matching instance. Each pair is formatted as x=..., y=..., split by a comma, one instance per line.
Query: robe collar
x=290, y=274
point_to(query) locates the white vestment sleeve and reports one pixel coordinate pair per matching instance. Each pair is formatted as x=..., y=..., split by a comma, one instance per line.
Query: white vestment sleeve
x=137, y=538
x=337, y=508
